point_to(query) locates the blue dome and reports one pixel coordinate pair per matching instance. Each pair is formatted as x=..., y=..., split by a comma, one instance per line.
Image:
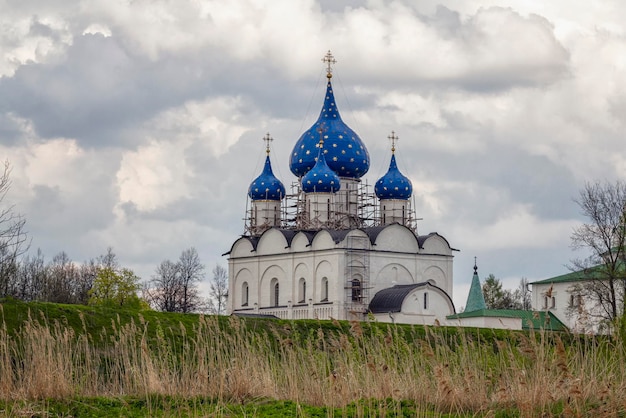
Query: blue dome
x=266, y=186
x=393, y=185
x=345, y=153
x=320, y=179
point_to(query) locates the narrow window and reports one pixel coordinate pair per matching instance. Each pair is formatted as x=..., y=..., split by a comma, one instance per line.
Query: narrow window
x=324, y=290
x=425, y=300
x=356, y=290
x=553, y=302
x=276, y=294
x=244, y=294
x=302, y=290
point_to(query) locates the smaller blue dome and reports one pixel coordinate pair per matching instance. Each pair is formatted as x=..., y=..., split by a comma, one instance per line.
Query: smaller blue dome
x=266, y=186
x=320, y=179
x=393, y=185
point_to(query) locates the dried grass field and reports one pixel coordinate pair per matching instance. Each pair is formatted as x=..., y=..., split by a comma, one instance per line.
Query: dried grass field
x=229, y=366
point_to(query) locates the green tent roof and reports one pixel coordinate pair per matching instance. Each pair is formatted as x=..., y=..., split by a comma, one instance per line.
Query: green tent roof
x=475, y=298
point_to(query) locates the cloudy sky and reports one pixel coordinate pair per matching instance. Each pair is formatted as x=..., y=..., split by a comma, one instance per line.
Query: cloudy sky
x=137, y=124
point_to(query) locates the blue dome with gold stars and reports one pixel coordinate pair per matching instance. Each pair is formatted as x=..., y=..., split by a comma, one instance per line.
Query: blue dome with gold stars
x=393, y=185
x=345, y=153
x=320, y=179
x=266, y=186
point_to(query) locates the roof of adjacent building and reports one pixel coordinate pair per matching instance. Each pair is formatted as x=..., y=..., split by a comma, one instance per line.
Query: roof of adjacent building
x=392, y=298
x=535, y=320
x=595, y=272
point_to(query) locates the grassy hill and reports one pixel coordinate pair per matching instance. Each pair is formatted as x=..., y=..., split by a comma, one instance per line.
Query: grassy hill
x=74, y=359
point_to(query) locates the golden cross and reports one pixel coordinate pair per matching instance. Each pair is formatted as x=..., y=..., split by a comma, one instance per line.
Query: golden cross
x=320, y=131
x=393, y=139
x=329, y=60
x=267, y=138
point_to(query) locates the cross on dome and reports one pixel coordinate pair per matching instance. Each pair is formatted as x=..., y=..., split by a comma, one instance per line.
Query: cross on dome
x=329, y=59
x=393, y=138
x=267, y=139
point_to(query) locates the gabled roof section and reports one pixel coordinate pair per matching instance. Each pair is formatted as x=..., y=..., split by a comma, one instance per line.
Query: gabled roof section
x=591, y=273
x=392, y=298
x=372, y=232
x=531, y=320
x=338, y=235
x=422, y=239
x=253, y=240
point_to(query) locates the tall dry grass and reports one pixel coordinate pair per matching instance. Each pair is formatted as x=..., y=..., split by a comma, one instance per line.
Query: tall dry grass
x=448, y=372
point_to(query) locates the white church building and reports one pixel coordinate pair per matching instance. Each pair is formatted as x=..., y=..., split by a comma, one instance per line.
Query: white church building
x=332, y=249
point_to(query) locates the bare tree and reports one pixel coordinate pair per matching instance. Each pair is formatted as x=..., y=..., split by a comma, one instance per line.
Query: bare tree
x=163, y=290
x=218, y=292
x=62, y=275
x=190, y=272
x=13, y=239
x=32, y=276
x=603, y=288
x=521, y=295
x=174, y=287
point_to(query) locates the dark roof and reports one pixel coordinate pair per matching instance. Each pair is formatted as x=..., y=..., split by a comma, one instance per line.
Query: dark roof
x=253, y=240
x=337, y=235
x=530, y=319
x=422, y=239
x=372, y=232
x=391, y=298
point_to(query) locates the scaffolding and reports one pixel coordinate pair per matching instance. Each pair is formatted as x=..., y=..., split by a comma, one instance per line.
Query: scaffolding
x=356, y=206
x=357, y=280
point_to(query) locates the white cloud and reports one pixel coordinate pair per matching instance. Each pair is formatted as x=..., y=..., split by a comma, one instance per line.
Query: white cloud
x=137, y=124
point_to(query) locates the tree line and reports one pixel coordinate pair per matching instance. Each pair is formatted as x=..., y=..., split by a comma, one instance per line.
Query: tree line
x=174, y=287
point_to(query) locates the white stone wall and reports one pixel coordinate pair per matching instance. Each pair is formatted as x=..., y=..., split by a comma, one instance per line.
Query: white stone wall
x=394, y=259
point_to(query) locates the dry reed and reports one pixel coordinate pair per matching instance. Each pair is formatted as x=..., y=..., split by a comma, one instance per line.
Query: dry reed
x=448, y=372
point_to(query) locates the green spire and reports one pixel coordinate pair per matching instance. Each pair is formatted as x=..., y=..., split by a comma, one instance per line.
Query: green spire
x=475, y=299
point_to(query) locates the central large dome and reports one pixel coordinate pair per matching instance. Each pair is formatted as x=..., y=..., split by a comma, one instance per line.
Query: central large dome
x=345, y=153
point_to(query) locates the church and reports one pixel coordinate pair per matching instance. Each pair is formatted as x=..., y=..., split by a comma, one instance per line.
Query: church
x=332, y=249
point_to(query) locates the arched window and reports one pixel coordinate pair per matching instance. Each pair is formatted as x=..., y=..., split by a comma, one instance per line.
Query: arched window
x=356, y=290
x=324, y=297
x=302, y=290
x=244, y=294
x=274, y=292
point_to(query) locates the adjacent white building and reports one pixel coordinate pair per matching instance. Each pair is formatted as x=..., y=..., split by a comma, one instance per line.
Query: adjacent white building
x=330, y=248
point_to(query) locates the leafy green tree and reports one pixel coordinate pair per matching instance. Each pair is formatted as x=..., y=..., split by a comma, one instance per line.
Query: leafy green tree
x=117, y=288
x=496, y=297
